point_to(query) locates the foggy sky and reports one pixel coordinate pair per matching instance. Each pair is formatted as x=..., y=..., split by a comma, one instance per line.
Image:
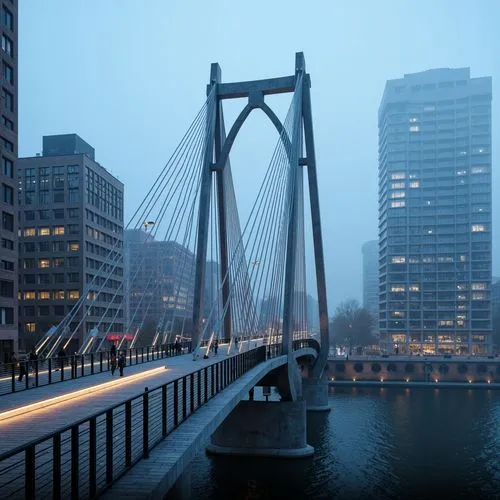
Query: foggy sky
x=129, y=76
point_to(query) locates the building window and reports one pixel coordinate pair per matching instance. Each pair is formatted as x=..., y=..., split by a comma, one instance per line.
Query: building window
x=44, y=310
x=7, y=45
x=397, y=204
x=73, y=277
x=398, y=260
x=414, y=288
x=44, y=295
x=7, y=265
x=480, y=169
x=59, y=230
x=59, y=197
x=44, y=231
x=29, y=263
x=29, y=279
x=29, y=310
x=44, y=263
x=44, y=246
x=480, y=286
x=398, y=288
x=59, y=246
x=29, y=231
x=58, y=278
x=397, y=176
x=398, y=185
x=7, y=167
x=414, y=184
x=74, y=246
x=8, y=102
x=29, y=327
x=59, y=213
x=8, y=73
x=7, y=18
x=59, y=310
x=6, y=288
x=29, y=295
x=73, y=295
x=7, y=194
x=44, y=214
x=478, y=228
x=73, y=196
x=479, y=296
x=74, y=213
x=8, y=222
x=7, y=244
x=58, y=262
x=414, y=128
x=29, y=215
x=6, y=315
x=73, y=229
x=59, y=295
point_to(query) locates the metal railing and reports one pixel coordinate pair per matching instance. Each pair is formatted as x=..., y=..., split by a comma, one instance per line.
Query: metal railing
x=85, y=458
x=37, y=373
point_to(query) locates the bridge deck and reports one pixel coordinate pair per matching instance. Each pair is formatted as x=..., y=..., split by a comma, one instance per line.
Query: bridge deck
x=19, y=430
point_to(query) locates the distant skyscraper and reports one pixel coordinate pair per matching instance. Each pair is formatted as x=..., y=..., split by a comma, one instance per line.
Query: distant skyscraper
x=435, y=213
x=370, y=280
x=8, y=198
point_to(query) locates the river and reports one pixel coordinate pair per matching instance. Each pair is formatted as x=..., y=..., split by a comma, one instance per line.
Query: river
x=376, y=443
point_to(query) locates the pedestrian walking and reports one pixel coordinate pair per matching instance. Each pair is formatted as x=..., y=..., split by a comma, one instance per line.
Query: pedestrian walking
x=112, y=351
x=216, y=346
x=61, y=355
x=23, y=369
x=33, y=360
x=113, y=363
x=121, y=363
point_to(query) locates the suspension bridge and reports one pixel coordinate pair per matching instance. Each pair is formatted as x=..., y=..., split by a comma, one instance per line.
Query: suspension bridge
x=250, y=330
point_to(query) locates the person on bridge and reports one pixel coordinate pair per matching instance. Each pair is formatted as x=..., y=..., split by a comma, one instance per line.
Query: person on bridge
x=23, y=368
x=61, y=355
x=216, y=346
x=121, y=363
x=113, y=362
x=112, y=351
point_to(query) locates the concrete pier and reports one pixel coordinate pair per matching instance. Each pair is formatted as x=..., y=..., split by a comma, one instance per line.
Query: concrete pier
x=315, y=394
x=263, y=429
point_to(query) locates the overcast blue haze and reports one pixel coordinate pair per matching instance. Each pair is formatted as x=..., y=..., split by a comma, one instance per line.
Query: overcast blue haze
x=129, y=76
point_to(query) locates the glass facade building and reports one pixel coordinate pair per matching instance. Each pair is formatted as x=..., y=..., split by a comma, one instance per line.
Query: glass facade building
x=435, y=245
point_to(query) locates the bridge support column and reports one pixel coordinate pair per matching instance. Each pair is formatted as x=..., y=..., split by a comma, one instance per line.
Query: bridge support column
x=263, y=429
x=315, y=394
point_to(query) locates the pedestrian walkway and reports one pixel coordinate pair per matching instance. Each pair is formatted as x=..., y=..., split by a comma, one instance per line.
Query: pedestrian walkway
x=37, y=422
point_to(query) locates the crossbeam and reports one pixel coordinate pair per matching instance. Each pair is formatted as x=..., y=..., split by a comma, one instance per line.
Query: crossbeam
x=267, y=86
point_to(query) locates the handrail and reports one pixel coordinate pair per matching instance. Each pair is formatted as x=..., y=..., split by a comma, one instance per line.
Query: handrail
x=161, y=410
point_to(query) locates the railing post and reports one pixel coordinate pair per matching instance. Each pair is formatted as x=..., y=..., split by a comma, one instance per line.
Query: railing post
x=75, y=462
x=92, y=458
x=36, y=372
x=27, y=368
x=205, y=383
x=212, y=377
x=83, y=366
x=100, y=361
x=191, y=392
x=92, y=363
x=147, y=353
x=184, y=397
x=176, y=402
x=164, y=410
x=145, y=424
x=136, y=356
x=29, y=472
x=56, y=466
x=62, y=362
x=13, y=378
x=199, y=388
x=142, y=354
x=217, y=377
x=109, y=447
x=128, y=433
x=129, y=357
x=49, y=367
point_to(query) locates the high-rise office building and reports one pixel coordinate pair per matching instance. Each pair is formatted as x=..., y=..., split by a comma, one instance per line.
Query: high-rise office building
x=160, y=283
x=435, y=213
x=8, y=197
x=370, y=281
x=70, y=238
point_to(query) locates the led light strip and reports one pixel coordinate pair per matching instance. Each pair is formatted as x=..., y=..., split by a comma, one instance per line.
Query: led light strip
x=78, y=394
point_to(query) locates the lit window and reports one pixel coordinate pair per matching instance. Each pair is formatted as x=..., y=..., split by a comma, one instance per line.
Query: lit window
x=479, y=286
x=479, y=169
x=397, y=204
x=74, y=246
x=479, y=296
x=397, y=176
x=29, y=295
x=44, y=295
x=445, y=322
x=398, y=260
x=59, y=295
x=414, y=184
x=413, y=119
x=29, y=327
x=398, y=185
x=44, y=263
x=479, y=150
x=460, y=323
x=59, y=230
x=429, y=108
x=397, y=288
x=414, y=128
x=478, y=228
x=44, y=231
x=414, y=288
x=463, y=258
x=398, y=194
x=30, y=231
x=73, y=295
x=461, y=296
x=462, y=172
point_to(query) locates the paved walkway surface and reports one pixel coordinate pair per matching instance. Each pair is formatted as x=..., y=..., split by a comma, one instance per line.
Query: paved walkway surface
x=19, y=430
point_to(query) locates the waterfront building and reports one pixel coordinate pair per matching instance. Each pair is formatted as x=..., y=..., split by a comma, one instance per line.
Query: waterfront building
x=71, y=223
x=435, y=213
x=8, y=197
x=370, y=281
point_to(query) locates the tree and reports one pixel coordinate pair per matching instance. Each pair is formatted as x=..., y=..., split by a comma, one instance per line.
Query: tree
x=351, y=325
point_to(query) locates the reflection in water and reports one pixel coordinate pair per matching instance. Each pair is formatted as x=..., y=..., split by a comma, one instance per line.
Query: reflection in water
x=376, y=443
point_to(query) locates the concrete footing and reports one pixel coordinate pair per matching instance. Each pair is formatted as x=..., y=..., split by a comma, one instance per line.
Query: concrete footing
x=263, y=429
x=315, y=394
